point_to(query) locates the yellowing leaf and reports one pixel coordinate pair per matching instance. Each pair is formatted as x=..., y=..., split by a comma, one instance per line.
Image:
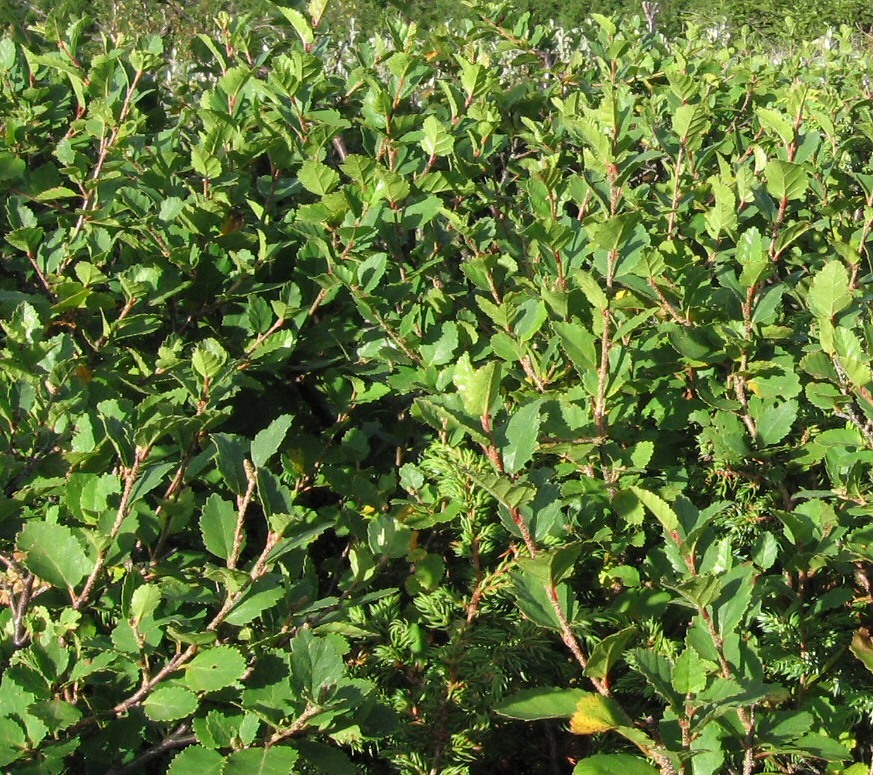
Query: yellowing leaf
x=595, y=714
x=862, y=647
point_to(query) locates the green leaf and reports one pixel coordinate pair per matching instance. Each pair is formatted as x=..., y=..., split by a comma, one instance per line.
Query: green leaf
x=785, y=180
x=171, y=207
x=278, y=760
x=208, y=358
x=690, y=124
x=328, y=759
x=689, y=673
x=579, y=345
x=776, y=122
x=392, y=186
x=699, y=590
x=850, y=353
x=144, y=601
x=442, y=351
x=613, y=764
x=540, y=703
x=605, y=655
x=232, y=452
x=737, y=587
x=440, y=416
x=317, y=177
x=299, y=23
x=196, y=759
x=784, y=727
x=261, y=596
x=478, y=388
x=773, y=421
x=205, y=163
x=752, y=255
x=659, y=507
x=830, y=291
x=767, y=305
x=592, y=290
x=57, y=715
x=53, y=553
x=659, y=673
x=218, y=729
x=436, y=141
x=316, y=663
x=268, y=441
x=522, y=433
x=512, y=495
x=11, y=167
x=722, y=218
x=701, y=345
x=615, y=232
x=822, y=747
x=389, y=537
x=214, y=669
x=12, y=741
x=218, y=526
x=169, y=703
x=316, y=9
x=534, y=601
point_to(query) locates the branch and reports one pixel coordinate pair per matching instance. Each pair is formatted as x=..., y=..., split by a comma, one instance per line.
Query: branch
x=242, y=503
x=667, y=306
x=20, y=636
x=300, y=724
x=89, y=201
x=131, y=475
x=149, y=683
x=178, y=739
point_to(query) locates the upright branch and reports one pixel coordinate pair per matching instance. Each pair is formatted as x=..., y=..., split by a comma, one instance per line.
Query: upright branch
x=107, y=143
x=130, y=476
x=567, y=635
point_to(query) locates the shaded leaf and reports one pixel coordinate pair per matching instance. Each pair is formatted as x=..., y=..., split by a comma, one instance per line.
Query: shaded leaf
x=168, y=703
x=53, y=553
x=606, y=654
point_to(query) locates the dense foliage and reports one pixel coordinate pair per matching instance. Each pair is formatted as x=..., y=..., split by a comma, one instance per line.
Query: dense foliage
x=363, y=408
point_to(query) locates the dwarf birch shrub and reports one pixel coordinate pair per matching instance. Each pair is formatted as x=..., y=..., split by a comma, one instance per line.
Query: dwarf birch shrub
x=433, y=408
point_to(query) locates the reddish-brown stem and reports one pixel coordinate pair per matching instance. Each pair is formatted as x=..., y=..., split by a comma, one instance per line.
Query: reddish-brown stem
x=242, y=504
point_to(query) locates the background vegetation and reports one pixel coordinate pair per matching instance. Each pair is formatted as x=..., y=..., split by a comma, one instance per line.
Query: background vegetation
x=767, y=18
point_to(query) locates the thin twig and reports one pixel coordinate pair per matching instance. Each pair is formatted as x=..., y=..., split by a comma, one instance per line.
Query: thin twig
x=301, y=723
x=131, y=475
x=180, y=738
x=242, y=502
x=20, y=636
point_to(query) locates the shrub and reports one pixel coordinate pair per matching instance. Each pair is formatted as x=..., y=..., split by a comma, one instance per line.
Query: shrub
x=359, y=408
